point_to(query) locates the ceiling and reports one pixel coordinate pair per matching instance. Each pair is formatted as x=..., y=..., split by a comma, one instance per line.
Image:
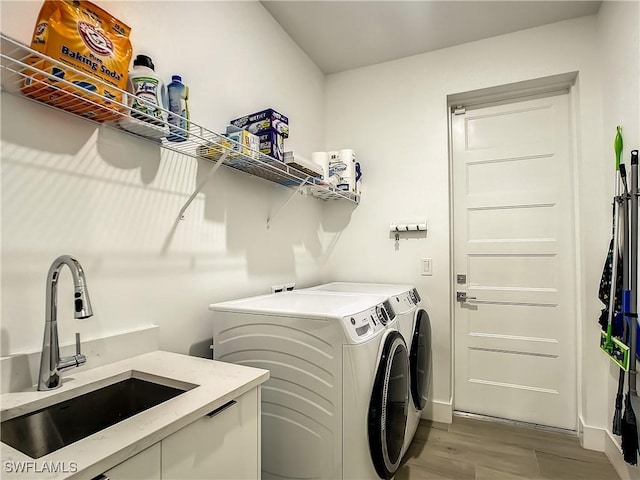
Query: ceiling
x=343, y=35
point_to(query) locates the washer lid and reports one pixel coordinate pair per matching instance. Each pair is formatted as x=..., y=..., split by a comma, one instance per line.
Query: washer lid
x=308, y=304
x=402, y=297
x=387, y=289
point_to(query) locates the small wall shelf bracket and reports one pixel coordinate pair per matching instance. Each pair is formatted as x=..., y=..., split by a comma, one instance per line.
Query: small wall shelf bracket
x=286, y=202
x=204, y=181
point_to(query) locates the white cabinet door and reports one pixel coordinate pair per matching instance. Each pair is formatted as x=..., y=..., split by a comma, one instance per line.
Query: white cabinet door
x=143, y=466
x=222, y=445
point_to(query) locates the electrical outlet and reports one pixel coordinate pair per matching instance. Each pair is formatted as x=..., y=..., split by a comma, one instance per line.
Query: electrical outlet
x=426, y=266
x=285, y=287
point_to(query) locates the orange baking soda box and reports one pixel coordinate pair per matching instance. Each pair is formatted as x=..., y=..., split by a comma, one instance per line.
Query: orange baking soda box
x=88, y=52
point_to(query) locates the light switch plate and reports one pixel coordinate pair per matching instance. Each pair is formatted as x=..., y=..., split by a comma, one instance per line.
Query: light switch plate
x=426, y=266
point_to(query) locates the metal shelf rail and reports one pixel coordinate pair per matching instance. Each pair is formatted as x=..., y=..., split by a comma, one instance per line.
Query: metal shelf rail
x=28, y=73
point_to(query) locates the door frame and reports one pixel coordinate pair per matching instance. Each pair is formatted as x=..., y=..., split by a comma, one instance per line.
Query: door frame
x=504, y=94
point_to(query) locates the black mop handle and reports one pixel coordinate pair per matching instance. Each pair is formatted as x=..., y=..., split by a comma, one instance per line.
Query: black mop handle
x=633, y=274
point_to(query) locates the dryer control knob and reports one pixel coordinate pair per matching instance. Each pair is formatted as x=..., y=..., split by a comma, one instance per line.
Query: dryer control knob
x=412, y=298
x=382, y=315
x=415, y=296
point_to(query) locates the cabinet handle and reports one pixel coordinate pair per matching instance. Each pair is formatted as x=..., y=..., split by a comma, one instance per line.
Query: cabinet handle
x=218, y=410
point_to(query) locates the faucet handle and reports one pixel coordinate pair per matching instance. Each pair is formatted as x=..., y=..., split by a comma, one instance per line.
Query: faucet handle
x=80, y=358
x=74, y=361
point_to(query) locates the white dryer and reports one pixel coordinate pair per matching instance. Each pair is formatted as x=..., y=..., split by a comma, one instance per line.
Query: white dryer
x=415, y=326
x=335, y=405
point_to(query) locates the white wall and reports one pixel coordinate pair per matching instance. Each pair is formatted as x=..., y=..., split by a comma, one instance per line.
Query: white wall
x=619, y=36
x=113, y=200
x=395, y=116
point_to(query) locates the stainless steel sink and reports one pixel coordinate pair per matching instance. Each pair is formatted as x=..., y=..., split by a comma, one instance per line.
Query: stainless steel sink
x=48, y=429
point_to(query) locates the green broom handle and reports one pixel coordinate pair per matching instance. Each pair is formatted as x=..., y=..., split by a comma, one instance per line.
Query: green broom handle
x=617, y=146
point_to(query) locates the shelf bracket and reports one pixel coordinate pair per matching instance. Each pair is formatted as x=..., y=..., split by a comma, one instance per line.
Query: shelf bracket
x=298, y=189
x=204, y=181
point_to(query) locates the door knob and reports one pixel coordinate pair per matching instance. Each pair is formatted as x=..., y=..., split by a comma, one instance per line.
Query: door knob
x=462, y=297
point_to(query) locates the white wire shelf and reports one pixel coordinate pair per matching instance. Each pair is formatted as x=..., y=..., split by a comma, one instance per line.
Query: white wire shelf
x=30, y=74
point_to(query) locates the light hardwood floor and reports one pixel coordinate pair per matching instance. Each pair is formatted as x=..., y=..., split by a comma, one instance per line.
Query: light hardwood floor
x=472, y=449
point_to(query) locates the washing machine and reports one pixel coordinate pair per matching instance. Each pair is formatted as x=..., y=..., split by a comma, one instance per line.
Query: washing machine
x=335, y=405
x=415, y=326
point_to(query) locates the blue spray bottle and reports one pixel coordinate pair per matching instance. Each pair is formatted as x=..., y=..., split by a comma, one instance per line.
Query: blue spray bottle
x=178, y=94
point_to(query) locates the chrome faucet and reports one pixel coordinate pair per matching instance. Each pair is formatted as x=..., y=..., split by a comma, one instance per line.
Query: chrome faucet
x=50, y=362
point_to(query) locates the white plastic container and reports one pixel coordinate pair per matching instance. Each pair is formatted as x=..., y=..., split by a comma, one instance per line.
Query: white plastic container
x=147, y=97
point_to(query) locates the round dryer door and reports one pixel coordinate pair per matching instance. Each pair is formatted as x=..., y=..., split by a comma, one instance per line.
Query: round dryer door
x=388, y=408
x=420, y=359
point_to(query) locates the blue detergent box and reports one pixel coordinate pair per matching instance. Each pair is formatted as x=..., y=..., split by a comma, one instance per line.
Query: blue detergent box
x=263, y=122
x=272, y=143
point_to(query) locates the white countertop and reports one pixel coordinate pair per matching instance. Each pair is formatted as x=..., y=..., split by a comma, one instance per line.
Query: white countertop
x=218, y=383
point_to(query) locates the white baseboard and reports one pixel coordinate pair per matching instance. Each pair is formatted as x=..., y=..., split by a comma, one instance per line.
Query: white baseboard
x=438, y=411
x=614, y=454
x=602, y=440
x=592, y=438
x=20, y=371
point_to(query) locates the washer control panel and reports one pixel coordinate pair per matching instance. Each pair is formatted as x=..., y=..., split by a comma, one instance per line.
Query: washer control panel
x=365, y=324
x=405, y=301
x=414, y=296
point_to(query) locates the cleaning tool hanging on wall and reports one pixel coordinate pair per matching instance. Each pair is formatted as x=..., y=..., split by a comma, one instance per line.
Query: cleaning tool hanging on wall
x=611, y=281
x=617, y=416
x=630, y=439
x=629, y=433
x=616, y=428
x=633, y=300
x=633, y=303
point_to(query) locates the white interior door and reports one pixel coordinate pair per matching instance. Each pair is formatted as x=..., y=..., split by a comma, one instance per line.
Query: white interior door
x=515, y=343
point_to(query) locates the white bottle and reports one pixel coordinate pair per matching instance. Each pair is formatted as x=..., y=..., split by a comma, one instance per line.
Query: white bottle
x=147, y=98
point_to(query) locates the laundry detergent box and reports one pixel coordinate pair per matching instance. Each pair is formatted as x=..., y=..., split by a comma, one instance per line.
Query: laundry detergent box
x=272, y=144
x=247, y=143
x=263, y=121
x=90, y=53
x=222, y=145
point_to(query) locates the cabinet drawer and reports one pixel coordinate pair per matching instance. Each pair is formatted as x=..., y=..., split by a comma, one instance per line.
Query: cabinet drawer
x=143, y=466
x=221, y=445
